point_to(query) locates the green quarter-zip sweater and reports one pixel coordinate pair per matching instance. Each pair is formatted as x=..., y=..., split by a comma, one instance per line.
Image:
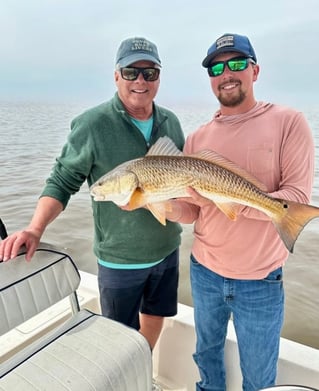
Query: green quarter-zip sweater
x=100, y=139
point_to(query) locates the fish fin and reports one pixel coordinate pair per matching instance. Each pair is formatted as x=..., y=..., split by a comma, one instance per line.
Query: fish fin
x=137, y=200
x=158, y=210
x=164, y=146
x=229, y=209
x=293, y=222
x=221, y=161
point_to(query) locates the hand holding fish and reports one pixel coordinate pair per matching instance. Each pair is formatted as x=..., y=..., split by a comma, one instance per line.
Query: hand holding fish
x=196, y=198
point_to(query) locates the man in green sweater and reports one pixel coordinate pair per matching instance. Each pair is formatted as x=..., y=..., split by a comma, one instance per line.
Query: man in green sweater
x=137, y=256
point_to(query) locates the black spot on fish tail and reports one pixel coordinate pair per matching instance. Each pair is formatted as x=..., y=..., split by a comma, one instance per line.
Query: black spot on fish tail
x=294, y=220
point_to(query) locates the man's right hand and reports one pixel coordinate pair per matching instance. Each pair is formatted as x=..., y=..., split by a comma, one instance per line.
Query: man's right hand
x=10, y=246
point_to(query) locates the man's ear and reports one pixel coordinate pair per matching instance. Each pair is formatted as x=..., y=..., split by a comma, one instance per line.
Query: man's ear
x=256, y=72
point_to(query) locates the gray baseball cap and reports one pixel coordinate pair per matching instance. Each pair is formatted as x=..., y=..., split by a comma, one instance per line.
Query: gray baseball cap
x=136, y=49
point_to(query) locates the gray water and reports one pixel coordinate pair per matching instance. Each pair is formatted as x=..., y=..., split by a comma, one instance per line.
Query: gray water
x=31, y=136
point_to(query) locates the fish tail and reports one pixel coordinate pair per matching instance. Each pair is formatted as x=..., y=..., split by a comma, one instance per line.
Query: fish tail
x=294, y=220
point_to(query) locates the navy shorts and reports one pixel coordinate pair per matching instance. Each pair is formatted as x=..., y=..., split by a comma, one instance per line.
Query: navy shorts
x=153, y=291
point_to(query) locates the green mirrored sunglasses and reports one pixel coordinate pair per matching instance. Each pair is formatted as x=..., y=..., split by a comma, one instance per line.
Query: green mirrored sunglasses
x=236, y=64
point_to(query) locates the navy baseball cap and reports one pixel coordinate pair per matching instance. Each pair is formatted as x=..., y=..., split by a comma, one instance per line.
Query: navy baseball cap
x=230, y=43
x=136, y=49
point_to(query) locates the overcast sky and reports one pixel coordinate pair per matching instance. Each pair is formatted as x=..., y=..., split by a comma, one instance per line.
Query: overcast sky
x=64, y=50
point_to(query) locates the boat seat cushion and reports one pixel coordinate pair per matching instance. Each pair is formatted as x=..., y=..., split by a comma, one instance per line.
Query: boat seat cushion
x=27, y=288
x=88, y=352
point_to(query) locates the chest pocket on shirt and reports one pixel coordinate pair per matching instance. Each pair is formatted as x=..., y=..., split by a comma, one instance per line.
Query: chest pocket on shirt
x=260, y=159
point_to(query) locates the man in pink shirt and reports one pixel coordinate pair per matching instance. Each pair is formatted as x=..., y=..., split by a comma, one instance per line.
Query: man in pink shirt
x=236, y=267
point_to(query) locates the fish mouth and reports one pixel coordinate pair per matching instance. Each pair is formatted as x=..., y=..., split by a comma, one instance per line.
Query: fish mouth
x=98, y=197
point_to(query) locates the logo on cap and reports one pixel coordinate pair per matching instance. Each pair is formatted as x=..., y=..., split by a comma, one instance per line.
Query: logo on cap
x=141, y=44
x=227, y=40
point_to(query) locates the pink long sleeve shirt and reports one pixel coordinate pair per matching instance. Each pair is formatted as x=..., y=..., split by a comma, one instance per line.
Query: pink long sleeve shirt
x=274, y=144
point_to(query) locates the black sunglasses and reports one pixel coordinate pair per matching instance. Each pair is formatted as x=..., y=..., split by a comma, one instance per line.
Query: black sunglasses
x=236, y=64
x=131, y=73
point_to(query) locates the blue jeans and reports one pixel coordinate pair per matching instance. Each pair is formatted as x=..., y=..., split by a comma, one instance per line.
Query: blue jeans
x=257, y=308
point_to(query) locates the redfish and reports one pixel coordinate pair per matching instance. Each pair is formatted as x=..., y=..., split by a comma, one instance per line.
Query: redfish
x=166, y=173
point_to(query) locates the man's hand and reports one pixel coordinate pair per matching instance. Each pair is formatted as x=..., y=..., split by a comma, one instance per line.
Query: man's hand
x=196, y=199
x=10, y=246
